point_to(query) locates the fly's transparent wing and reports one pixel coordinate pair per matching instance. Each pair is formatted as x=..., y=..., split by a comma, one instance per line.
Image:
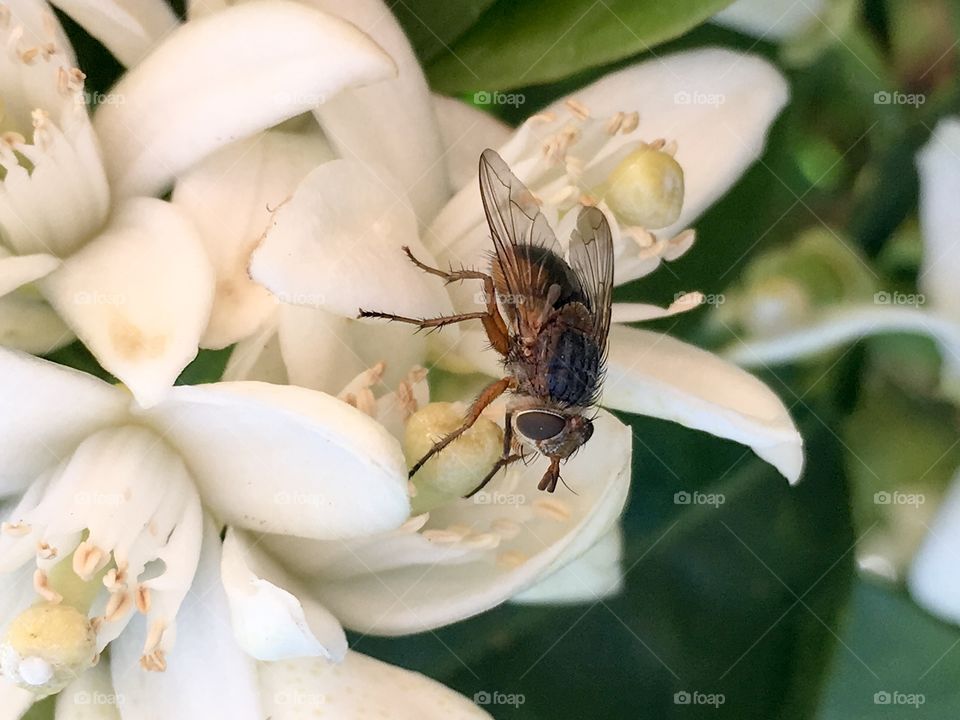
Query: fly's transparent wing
x=591, y=257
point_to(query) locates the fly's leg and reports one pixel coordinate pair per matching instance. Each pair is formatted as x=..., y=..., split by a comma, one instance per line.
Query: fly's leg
x=489, y=394
x=549, y=480
x=493, y=322
x=506, y=458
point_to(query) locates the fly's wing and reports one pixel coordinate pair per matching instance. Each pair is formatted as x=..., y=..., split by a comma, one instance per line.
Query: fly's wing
x=591, y=257
x=521, y=237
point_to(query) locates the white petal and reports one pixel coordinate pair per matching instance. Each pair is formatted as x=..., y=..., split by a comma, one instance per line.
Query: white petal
x=939, y=166
x=595, y=575
x=16, y=271
x=717, y=104
x=359, y=687
x=933, y=580
x=640, y=312
x=653, y=374
x=207, y=675
x=284, y=459
x=14, y=701
x=472, y=554
x=338, y=245
x=53, y=191
x=466, y=132
x=258, y=358
x=269, y=622
x=28, y=323
x=390, y=123
x=208, y=85
x=849, y=324
x=229, y=197
x=89, y=697
x=323, y=351
x=138, y=296
x=771, y=19
x=47, y=410
x=127, y=28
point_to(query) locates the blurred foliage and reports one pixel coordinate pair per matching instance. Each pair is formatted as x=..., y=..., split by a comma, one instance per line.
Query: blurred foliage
x=757, y=598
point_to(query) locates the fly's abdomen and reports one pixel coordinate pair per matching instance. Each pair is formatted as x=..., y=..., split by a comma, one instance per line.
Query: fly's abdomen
x=573, y=369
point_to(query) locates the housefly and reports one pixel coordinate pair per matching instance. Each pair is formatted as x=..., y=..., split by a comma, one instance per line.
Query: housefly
x=548, y=317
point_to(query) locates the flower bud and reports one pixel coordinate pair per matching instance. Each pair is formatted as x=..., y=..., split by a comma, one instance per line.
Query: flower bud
x=457, y=469
x=46, y=647
x=646, y=189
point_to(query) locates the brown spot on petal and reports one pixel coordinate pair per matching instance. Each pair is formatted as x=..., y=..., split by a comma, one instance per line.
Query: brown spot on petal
x=131, y=342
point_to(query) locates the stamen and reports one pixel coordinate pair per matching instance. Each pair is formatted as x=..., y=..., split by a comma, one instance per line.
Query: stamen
x=506, y=528
x=578, y=108
x=511, y=559
x=542, y=118
x=88, y=559
x=143, y=599
x=117, y=606
x=154, y=662
x=615, y=123
x=443, y=537
x=415, y=523
x=41, y=584
x=482, y=541
x=15, y=529
x=45, y=551
x=630, y=123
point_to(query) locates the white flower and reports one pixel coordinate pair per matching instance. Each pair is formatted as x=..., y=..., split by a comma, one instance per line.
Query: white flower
x=343, y=225
x=128, y=273
x=104, y=542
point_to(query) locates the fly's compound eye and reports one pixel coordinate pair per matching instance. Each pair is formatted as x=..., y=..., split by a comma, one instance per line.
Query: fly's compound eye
x=540, y=425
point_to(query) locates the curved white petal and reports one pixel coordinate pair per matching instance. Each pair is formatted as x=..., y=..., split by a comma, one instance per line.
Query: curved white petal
x=127, y=28
x=338, y=245
x=323, y=351
x=28, y=323
x=207, y=674
x=390, y=123
x=717, y=104
x=230, y=196
x=38, y=428
x=653, y=374
x=138, y=296
x=641, y=312
x=53, y=190
x=284, y=459
x=771, y=19
x=466, y=131
x=471, y=554
x=269, y=620
x=595, y=575
x=933, y=580
x=849, y=324
x=20, y=270
x=359, y=687
x=89, y=697
x=14, y=701
x=208, y=85
x=939, y=166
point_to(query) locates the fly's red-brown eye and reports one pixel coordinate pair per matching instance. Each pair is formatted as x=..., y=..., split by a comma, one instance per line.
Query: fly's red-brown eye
x=540, y=425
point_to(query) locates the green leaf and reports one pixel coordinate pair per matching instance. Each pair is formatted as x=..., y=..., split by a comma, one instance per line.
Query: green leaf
x=525, y=43
x=432, y=26
x=892, y=646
